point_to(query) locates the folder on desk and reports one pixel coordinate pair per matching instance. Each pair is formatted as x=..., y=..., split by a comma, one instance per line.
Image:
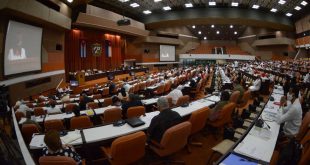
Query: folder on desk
x=234, y=159
x=135, y=122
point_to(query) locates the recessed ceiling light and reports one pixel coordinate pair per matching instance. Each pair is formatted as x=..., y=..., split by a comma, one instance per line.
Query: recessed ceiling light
x=288, y=14
x=147, y=12
x=274, y=10
x=235, y=4
x=69, y=1
x=199, y=32
x=304, y=3
x=212, y=3
x=157, y=0
x=134, y=5
x=255, y=6
x=235, y=32
x=188, y=5
x=297, y=8
x=217, y=32
x=167, y=8
x=212, y=26
x=193, y=26
x=282, y=2
x=204, y=38
x=231, y=26
x=123, y=0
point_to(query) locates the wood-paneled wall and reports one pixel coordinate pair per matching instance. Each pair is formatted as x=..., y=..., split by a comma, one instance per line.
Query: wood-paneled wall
x=73, y=60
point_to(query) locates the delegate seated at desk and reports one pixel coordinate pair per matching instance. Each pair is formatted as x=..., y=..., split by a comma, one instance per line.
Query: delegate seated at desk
x=291, y=115
x=215, y=112
x=163, y=121
x=133, y=100
x=256, y=86
x=54, y=147
x=238, y=87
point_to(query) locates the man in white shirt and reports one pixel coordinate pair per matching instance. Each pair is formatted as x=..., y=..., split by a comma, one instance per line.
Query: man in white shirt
x=307, y=78
x=53, y=109
x=23, y=108
x=291, y=114
x=176, y=94
x=256, y=85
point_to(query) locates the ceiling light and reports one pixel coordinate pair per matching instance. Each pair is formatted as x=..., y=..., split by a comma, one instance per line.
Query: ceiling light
x=217, y=32
x=199, y=32
x=167, y=8
x=235, y=4
x=212, y=26
x=193, y=26
x=288, y=14
x=188, y=5
x=304, y=3
x=157, y=0
x=274, y=10
x=204, y=38
x=282, y=2
x=123, y=0
x=212, y=3
x=255, y=6
x=231, y=26
x=297, y=8
x=134, y=5
x=235, y=33
x=147, y=12
x=69, y=1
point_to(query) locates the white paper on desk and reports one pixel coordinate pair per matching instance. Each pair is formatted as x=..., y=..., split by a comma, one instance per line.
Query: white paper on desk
x=37, y=141
x=22, y=120
x=263, y=133
x=251, y=151
x=70, y=137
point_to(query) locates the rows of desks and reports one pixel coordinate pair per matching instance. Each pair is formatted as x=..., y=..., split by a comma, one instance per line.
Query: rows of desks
x=106, y=132
x=258, y=144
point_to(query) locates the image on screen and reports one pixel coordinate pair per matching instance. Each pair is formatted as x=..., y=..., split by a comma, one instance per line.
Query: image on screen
x=167, y=53
x=22, y=48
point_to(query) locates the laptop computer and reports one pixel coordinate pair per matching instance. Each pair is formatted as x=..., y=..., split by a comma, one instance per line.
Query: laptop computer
x=135, y=122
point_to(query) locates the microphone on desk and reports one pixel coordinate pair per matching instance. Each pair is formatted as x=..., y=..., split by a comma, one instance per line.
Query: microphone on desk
x=260, y=122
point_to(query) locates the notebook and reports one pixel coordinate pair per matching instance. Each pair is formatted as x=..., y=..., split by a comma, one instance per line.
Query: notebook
x=135, y=122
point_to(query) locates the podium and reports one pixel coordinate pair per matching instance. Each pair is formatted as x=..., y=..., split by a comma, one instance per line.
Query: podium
x=80, y=77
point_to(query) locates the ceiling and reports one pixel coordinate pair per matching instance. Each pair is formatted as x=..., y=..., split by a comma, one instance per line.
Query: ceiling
x=209, y=32
x=225, y=32
x=157, y=7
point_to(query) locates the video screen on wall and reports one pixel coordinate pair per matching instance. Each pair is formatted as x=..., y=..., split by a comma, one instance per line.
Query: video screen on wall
x=22, y=51
x=167, y=53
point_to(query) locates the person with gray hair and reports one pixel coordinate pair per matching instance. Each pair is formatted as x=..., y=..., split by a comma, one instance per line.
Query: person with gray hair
x=163, y=121
x=176, y=94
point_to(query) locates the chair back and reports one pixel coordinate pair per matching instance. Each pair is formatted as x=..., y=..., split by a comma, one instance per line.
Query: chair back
x=128, y=149
x=135, y=111
x=304, y=127
x=305, y=155
x=160, y=89
x=80, y=122
x=105, y=91
x=56, y=160
x=234, y=97
x=28, y=130
x=198, y=119
x=39, y=111
x=30, y=105
x=107, y=101
x=97, y=96
x=53, y=125
x=19, y=115
x=167, y=86
x=245, y=98
x=92, y=105
x=69, y=107
x=169, y=101
x=174, y=139
x=182, y=100
x=142, y=86
x=112, y=115
x=225, y=115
